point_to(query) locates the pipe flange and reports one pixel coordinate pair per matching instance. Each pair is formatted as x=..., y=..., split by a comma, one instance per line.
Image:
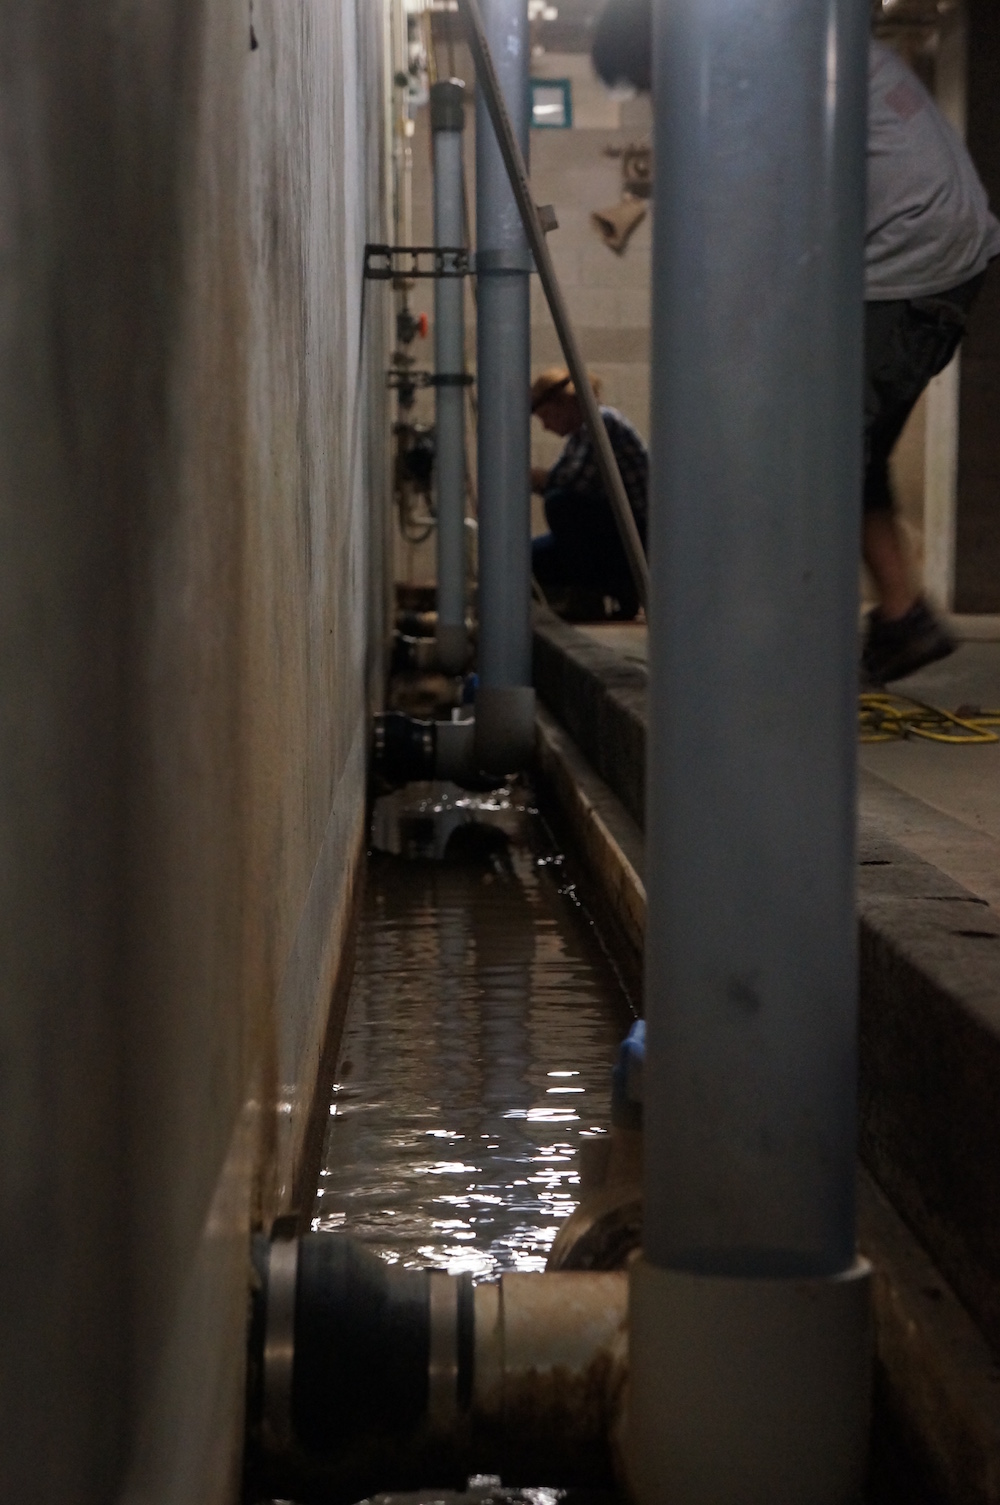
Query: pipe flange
x=279, y=1343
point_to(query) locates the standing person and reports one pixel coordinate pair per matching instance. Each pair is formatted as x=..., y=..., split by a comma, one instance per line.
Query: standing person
x=929, y=239
x=581, y=561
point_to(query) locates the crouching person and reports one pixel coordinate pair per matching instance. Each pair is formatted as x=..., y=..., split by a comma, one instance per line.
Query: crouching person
x=580, y=563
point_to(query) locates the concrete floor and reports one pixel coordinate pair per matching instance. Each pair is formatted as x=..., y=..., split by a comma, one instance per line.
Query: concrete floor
x=942, y=802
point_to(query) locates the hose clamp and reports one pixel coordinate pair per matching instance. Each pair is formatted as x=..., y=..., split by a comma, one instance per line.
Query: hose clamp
x=279, y=1342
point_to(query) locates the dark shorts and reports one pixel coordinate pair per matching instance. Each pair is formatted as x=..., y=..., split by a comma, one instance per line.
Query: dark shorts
x=907, y=342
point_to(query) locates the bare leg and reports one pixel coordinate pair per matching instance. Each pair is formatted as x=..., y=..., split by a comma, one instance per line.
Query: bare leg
x=885, y=554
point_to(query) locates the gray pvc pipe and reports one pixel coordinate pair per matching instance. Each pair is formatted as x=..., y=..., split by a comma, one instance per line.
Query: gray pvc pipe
x=447, y=123
x=756, y=424
x=505, y=700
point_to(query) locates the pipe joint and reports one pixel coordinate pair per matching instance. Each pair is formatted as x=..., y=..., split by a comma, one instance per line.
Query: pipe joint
x=406, y=749
x=377, y=1377
x=403, y=748
x=448, y=105
x=503, y=262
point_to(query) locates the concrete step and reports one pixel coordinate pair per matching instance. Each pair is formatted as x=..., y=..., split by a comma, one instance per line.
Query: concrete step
x=930, y=1049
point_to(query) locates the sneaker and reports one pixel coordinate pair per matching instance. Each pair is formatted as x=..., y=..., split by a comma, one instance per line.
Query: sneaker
x=895, y=649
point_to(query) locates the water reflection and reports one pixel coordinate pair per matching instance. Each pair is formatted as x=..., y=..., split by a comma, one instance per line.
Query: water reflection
x=484, y=1018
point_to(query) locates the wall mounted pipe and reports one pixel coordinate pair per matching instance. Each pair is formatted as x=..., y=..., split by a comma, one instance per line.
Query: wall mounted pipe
x=371, y=1377
x=750, y=1364
x=514, y=158
x=447, y=125
x=505, y=702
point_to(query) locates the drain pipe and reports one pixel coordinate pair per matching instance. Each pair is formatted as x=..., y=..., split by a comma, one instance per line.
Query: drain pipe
x=368, y=1377
x=750, y=1361
x=447, y=125
x=405, y=748
x=505, y=702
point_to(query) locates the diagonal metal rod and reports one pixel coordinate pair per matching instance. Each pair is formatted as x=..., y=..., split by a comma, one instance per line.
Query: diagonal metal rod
x=517, y=172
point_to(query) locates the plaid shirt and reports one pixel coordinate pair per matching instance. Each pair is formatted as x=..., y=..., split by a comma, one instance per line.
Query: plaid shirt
x=576, y=468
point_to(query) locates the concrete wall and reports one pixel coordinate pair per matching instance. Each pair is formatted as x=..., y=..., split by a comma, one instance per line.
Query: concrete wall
x=188, y=587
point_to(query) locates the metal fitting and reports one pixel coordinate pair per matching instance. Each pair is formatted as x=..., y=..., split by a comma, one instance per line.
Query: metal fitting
x=377, y=1377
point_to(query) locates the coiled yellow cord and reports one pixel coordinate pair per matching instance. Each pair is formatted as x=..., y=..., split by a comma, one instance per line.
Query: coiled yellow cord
x=883, y=717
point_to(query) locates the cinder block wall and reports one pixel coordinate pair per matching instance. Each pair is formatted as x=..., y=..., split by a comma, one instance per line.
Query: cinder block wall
x=191, y=597
x=608, y=295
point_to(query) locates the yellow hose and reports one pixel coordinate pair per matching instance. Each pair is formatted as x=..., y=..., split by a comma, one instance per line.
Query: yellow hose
x=883, y=717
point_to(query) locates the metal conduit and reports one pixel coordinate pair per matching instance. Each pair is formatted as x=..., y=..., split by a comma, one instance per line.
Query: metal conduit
x=505, y=702
x=447, y=125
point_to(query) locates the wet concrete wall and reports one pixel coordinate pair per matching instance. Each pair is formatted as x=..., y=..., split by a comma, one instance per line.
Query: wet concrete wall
x=191, y=588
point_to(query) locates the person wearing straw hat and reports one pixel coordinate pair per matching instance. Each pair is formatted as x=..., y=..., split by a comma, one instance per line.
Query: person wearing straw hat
x=580, y=563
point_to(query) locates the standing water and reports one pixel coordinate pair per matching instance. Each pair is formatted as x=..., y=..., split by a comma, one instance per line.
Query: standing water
x=483, y=1022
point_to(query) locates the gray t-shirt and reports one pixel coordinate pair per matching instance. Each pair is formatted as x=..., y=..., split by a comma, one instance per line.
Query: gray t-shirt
x=929, y=223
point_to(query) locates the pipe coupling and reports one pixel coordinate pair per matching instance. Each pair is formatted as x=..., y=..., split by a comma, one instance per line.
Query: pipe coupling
x=448, y=105
x=377, y=1377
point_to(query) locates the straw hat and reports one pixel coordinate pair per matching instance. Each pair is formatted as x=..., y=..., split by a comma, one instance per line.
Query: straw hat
x=557, y=382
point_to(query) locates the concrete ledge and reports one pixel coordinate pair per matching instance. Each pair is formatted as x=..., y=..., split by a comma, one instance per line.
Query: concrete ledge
x=608, y=838
x=929, y=985
x=601, y=701
x=930, y=1063
x=936, y=1372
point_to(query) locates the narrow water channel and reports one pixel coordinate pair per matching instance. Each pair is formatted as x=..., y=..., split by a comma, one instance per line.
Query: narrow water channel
x=482, y=1025
x=484, y=1018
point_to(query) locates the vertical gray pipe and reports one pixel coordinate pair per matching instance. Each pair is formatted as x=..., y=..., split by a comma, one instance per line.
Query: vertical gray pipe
x=756, y=424
x=447, y=124
x=505, y=701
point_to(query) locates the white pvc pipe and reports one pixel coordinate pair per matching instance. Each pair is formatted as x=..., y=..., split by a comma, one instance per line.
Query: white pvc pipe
x=505, y=702
x=447, y=123
x=750, y=1367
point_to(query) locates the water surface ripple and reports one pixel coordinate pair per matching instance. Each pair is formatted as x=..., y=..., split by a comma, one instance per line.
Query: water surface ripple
x=483, y=1021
